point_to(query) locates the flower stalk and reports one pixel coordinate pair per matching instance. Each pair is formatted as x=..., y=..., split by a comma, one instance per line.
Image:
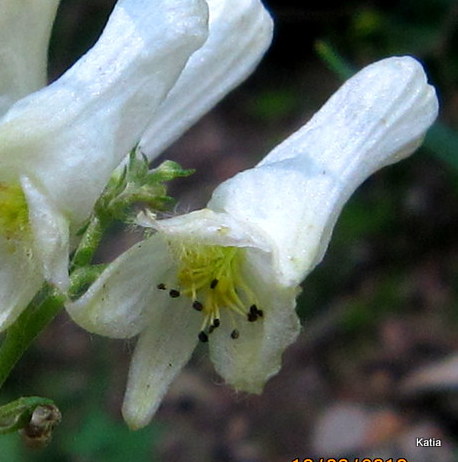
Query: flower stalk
x=26, y=328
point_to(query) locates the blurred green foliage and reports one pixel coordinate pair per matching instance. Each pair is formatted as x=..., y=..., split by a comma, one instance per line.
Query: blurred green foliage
x=89, y=431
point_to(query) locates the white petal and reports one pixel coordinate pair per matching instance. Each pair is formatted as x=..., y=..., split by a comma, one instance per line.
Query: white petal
x=119, y=302
x=206, y=226
x=19, y=280
x=25, y=27
x=71, y=135
x=239, y=33
x=162, y=350
x=297, y=192
x=50, y=235
x=249, y=361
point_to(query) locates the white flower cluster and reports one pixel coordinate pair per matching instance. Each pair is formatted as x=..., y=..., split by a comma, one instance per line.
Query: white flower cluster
x=60, y=144
x=228, y=274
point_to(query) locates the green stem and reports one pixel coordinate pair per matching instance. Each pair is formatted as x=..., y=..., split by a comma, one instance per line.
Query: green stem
x=89, y=243
x=26, y=328
x=40, y=313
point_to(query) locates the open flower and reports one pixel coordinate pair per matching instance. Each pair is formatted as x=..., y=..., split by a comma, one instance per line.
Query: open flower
x=229, y=274
x=59, y=145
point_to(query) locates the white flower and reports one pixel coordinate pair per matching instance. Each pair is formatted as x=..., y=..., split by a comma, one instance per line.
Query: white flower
x=229, y=274
x=59, y=145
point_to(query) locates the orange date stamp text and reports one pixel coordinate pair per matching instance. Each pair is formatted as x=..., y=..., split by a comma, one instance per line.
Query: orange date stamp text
x=356, y=459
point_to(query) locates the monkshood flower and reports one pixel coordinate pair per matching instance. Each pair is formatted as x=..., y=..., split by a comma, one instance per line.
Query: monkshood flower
x=229, y=274
x=59, y=145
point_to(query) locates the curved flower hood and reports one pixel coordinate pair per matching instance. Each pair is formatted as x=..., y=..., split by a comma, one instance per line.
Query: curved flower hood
x=229, y=274
x=296, y=193
x=59, y=145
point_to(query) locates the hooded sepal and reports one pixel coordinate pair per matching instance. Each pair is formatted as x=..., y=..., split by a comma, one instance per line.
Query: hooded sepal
x=296, y=193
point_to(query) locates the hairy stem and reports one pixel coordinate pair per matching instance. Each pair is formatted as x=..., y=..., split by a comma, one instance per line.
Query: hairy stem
x=26, y=328
x=89, y=243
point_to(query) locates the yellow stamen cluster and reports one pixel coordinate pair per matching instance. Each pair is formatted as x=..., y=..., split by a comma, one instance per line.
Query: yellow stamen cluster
x=14, y=213
x=212, y=277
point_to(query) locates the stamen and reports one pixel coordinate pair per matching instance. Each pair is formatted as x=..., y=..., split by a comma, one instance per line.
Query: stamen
x=197, y=305
x=254, y=313
x=216, y=322
x=161, y=286
x=203, y=337
x=235, y=334
x=174, y=293
x=214, y=283
x=252, y=317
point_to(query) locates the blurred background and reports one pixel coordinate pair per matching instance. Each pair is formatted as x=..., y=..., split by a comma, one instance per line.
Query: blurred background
x=375, y=366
